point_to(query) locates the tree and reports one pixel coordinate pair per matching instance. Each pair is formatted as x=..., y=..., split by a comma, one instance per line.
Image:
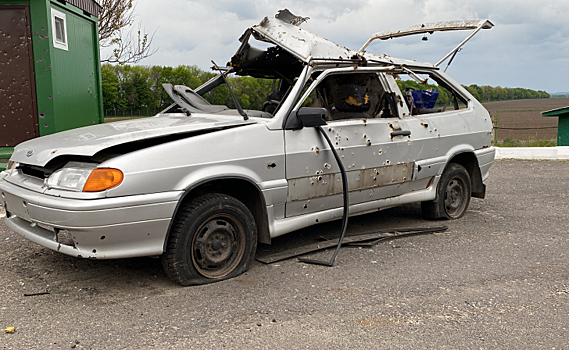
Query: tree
x=110, y=87
x=473, y=89
x=116, y=30
x=133, y=88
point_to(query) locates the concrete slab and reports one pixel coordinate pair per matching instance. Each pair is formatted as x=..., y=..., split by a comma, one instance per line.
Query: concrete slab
x=528, y=153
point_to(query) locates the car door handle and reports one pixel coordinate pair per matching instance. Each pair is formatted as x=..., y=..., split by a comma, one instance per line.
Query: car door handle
x=401, y=133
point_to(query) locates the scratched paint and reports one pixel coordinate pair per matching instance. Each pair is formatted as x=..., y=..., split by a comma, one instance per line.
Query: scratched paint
x=322, y=185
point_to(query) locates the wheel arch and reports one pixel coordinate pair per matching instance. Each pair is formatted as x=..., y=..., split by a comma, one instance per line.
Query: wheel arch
x=243, y=189
x=469, y=161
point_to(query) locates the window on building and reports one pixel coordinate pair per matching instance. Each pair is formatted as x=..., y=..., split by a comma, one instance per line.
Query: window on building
x=59, y=28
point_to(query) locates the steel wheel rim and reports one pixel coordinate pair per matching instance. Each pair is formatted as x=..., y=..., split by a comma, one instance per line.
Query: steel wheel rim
x=218, y=246
x=455, y=197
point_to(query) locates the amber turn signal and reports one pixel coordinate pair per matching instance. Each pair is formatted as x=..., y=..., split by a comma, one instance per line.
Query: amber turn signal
x=103, y=179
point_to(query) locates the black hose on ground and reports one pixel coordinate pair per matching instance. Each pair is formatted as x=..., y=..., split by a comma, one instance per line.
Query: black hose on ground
x=346, y=205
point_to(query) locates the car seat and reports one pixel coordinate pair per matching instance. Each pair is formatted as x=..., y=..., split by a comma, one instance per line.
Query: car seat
x=272, y=101
x=351, y=101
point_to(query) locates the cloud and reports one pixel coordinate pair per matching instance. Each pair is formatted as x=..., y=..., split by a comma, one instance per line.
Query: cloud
x=245, y=10
x=528, y=47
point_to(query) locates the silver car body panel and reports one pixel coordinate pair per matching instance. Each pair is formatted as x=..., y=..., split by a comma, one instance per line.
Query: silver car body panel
x=245, y=153
x=281, y=227
x=104, y=228
x=91, y=139
x=149, y=194
x=292, y=169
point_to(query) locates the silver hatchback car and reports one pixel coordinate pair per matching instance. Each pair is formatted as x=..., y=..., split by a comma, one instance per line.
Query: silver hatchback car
x=201, y=184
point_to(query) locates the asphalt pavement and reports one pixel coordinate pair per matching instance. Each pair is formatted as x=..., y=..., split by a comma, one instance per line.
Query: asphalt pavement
x=498, y=278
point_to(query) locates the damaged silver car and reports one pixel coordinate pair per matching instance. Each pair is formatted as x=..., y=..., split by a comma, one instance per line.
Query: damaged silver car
x=201, y=184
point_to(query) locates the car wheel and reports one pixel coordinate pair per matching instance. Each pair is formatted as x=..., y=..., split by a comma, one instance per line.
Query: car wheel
x=453, y=195
x=214, y=237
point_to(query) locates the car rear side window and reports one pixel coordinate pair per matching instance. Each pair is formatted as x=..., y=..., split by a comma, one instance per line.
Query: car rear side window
x=426, y=94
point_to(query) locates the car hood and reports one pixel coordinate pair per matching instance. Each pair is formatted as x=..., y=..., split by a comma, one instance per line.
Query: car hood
x=89, y=140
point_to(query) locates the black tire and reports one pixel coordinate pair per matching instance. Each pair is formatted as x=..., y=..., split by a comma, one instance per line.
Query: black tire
x=453, y=195
x=214, y=237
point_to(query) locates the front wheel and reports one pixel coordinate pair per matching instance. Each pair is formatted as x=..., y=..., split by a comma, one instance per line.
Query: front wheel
x=214, y=237
x=453, y=195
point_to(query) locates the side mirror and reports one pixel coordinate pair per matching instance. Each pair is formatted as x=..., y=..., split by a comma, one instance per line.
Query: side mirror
x=310, y=116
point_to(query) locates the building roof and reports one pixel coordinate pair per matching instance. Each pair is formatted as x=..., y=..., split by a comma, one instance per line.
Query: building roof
x=89, y=6
x=556, y=112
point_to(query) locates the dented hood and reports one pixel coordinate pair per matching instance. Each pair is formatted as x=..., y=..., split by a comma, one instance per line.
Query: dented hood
x=89, y=140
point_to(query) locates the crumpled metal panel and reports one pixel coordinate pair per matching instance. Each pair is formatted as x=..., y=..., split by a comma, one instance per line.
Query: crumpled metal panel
x=299, y=42
x=286, y=16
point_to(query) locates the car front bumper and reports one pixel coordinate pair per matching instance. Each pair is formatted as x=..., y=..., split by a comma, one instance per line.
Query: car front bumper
x=106, y=228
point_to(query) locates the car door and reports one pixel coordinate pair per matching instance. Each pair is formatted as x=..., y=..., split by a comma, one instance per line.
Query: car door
x=376, y=152
x=451, y=126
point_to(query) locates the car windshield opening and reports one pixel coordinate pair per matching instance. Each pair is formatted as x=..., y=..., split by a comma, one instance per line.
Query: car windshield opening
x=259, y=78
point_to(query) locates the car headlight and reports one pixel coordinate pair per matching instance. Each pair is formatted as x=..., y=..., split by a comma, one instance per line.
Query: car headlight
x=9, y=169
x=84, y=177
x=11, y=166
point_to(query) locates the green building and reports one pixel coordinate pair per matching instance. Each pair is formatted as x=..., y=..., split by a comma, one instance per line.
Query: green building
x=562, y=124
x=50, y=73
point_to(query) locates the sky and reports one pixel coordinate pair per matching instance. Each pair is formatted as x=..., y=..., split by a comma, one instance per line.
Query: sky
x=527, y=47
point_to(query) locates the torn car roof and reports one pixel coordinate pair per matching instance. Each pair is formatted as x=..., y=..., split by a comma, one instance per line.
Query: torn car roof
x=307, y=46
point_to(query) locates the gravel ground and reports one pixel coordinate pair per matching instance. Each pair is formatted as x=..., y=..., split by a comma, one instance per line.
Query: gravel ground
x=498, y=278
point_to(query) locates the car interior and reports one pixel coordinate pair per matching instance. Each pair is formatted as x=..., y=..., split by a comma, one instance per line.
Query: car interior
x=353, y=96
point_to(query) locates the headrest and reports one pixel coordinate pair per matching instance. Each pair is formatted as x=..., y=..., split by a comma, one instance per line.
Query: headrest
x=276, y=95
x=351, y=98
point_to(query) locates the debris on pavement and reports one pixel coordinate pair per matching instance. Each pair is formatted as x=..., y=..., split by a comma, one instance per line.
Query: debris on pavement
x=35, y=294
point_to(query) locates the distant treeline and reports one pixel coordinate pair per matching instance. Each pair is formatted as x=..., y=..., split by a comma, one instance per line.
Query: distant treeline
x=482, y=93
x=135, y=88
x=560, y=96
x=132, y=88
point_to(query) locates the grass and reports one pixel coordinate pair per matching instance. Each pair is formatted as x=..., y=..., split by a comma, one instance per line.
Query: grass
x=527, y=142
x=114, y=119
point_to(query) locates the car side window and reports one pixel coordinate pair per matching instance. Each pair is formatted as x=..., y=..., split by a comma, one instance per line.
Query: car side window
x=426, y=94
x=352, y=96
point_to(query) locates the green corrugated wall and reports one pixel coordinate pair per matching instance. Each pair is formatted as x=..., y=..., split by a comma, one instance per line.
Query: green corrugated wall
x=68, y=83
x=563, y=130
x=75, y=75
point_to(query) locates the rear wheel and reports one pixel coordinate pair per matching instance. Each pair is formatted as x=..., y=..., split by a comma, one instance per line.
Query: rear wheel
x=214, y=237
x=453, y=195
